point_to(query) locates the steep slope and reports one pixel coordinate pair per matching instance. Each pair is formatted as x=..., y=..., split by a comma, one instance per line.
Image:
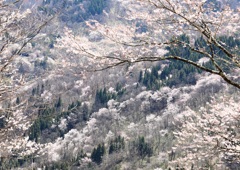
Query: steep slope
x=127, y=117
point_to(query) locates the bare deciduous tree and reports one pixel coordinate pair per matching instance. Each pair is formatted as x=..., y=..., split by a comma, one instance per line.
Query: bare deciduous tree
x=148, y=27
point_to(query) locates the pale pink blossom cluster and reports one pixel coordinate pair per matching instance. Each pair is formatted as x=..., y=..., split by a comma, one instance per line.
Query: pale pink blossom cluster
x=12, y=37
x=210, y=135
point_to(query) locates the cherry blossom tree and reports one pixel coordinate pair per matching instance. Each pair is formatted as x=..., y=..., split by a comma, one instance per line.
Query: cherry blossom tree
x=18, y=27
x=144, y=29
x=17, y=30
x=210, y=136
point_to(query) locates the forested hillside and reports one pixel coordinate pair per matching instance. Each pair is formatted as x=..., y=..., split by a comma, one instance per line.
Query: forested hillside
x=114, y=85
x=76, y=10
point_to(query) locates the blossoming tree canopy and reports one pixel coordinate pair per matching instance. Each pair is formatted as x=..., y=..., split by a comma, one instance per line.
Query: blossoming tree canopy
x=144, y=30
x=18, y=27
x=210, y=135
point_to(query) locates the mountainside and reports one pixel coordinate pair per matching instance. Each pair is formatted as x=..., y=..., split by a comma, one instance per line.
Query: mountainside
x=158, y=115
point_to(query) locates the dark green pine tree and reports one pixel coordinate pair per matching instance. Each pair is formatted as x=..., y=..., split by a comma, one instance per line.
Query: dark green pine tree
x=85, y=112
x=17, y=101
x=59, y=103
x=96, y=6
x=98, y=153
x=116, y=145
x=140, y=76
x=33, y=91
x=143, y=149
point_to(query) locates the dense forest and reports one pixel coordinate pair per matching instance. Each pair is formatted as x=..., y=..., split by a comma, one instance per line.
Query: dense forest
x=74, y=11
x=102, y=84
